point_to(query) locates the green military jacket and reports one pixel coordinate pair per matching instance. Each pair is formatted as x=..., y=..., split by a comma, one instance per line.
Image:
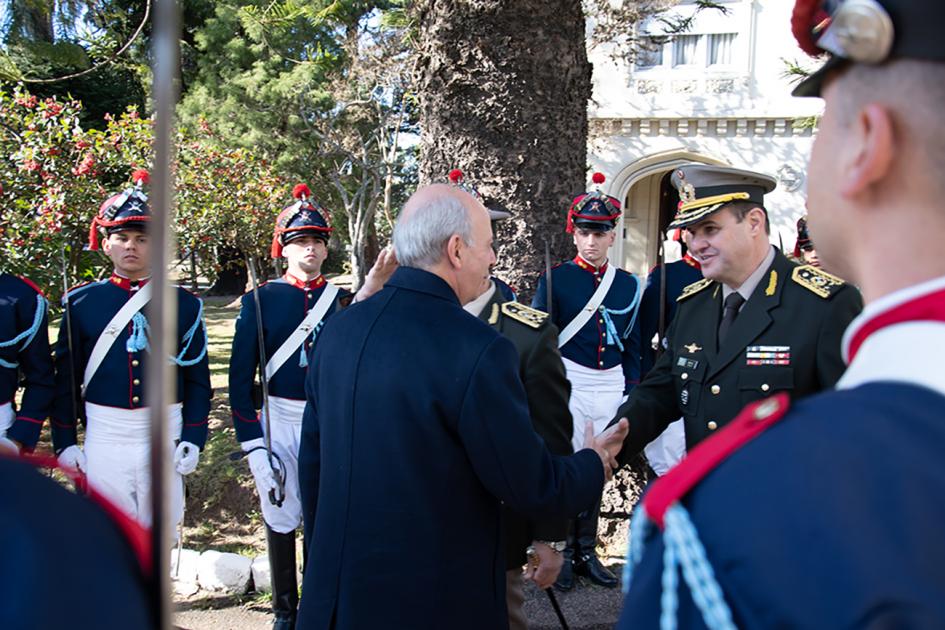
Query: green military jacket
x=786, y=338
x=548, y=390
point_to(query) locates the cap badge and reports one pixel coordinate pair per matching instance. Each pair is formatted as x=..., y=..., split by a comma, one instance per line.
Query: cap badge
x=687, y=192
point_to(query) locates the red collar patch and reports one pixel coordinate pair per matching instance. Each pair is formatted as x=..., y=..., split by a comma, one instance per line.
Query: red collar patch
x=708, y=454
x=586, y=266
x=127, y=284
x=692, y=262
x=304, y=284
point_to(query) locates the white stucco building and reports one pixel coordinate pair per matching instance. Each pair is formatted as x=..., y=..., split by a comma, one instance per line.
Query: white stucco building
x=716, y=94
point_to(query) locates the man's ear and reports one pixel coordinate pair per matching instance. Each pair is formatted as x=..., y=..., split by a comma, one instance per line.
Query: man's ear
x=873, y=139
x=454, y=251
x=756, y=219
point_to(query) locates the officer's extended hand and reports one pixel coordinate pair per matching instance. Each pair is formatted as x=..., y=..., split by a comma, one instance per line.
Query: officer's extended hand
x=186, y=457
x=73, y=457
x=608, y=444
x=259, y=466
x=8, y=446
x=384, y=267
x=543, y=568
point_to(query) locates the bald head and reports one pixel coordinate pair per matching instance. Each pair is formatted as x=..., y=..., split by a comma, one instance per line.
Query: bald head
x=431, y=216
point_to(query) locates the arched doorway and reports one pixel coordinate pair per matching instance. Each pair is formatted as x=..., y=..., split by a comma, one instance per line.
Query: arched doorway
x=648, y=208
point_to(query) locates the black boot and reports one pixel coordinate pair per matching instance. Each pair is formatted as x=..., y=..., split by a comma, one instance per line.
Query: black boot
x=565, y=581
x=285, y=588
x=586, y=562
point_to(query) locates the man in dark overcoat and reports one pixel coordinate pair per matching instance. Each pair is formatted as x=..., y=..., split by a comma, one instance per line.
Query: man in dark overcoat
x=415, y=432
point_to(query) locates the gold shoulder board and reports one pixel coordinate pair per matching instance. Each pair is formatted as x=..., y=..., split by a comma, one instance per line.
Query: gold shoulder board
x=693, y=288
x=525, y=314
x=816, y=280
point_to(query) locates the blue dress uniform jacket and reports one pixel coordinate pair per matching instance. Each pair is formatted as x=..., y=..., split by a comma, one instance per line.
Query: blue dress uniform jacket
x=679, y=275
x=573, y=284
x=416, y=429
x=24, y=351
x=119, y=381
x=785, y=339
x=99, y=582
x=284, y=304
x=830, y=517
x=805, y=528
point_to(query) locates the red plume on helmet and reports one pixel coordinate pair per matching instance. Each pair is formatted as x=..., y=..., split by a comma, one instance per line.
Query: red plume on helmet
x=456, y=176
x=141, y=177
x=808, y=19
x=301, y=191
x=598, y=178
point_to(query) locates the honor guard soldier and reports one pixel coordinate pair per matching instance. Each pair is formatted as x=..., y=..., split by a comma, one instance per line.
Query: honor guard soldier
x=547, y=389
x=294, y=308
x=100, y=368
x=826, y=513
x=594, y=304
x=755, y=325
x=804, y=252
x=24, y=353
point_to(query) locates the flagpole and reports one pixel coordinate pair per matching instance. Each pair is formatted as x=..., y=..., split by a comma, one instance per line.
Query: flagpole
x=162, y=311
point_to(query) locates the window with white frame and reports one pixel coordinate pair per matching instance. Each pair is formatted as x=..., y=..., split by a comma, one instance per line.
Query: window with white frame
x=719, y=49
x=685, y=50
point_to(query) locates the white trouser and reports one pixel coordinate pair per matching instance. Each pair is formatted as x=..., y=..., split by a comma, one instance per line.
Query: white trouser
x=668, y=449
x=6, y=418
x=118, y=447
x=595, y=397
x=286, y=427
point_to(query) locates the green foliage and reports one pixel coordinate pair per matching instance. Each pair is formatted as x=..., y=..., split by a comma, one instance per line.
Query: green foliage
x=55, y=175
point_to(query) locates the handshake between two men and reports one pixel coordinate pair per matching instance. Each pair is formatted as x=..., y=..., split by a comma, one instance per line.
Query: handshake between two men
x=607, y=444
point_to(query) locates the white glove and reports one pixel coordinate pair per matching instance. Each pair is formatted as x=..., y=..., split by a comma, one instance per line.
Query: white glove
x=259, y=465
x=186, y=457
x=73, y=457
x=8, y=446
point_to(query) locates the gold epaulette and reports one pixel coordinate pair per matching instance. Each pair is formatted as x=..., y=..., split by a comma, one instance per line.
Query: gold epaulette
x=524, y=314
x=693, y=288
x=816, y=280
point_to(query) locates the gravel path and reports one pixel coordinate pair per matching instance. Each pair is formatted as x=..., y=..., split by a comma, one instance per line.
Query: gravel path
x=587, y=607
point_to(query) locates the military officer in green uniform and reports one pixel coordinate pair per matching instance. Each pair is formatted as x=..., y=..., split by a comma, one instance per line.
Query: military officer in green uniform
x=755, y=325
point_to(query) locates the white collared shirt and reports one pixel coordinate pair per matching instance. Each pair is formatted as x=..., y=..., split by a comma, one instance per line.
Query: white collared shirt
x=751, y=283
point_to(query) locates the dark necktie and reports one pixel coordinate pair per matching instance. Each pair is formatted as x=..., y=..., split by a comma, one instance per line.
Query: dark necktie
x=729, y=312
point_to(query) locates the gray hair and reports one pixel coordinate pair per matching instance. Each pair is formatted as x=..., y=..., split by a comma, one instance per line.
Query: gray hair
x=420, y=237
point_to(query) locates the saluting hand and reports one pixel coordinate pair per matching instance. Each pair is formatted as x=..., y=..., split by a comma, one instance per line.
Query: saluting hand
x=384, y=267
x=608, y=444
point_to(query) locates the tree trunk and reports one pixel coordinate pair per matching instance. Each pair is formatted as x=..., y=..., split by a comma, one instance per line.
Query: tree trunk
x=232, y=278
x=504, y=86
